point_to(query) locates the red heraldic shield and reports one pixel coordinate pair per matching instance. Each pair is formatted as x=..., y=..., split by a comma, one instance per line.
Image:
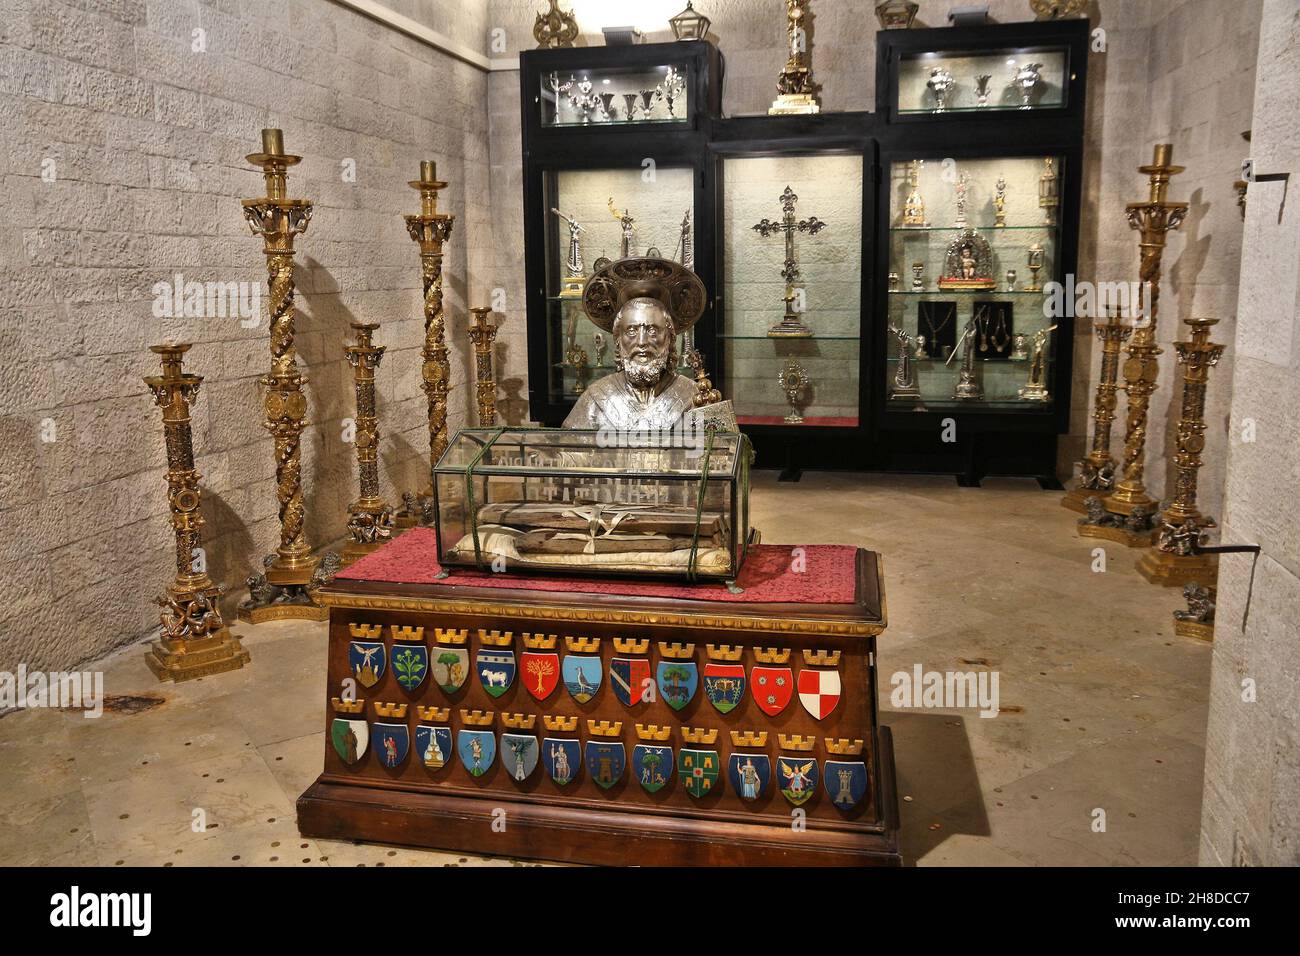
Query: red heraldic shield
x=819, y=691
x=540, y=673
x=772, y=688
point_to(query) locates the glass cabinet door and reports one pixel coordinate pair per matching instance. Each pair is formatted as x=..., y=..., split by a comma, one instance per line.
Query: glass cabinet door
x=605, y=214
x=1008, y=79
x=610, y=95
x=973, y=244
x=792, y=286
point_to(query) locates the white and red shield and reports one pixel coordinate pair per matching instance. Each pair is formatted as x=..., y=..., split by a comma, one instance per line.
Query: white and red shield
x=819, y=691
x=772, y=688
x=540, y=673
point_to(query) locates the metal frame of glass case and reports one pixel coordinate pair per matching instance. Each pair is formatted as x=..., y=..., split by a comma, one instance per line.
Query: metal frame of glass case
x=693, y=473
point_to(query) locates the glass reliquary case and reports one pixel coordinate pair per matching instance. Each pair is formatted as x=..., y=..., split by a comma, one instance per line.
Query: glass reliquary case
x=595, y=215
x=973, y=247
x=792, y=288
x=566, y=500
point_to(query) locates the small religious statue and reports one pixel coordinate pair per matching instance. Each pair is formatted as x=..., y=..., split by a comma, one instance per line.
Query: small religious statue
x=918, y=271
x=969, y=387
x=904, y=387
x=968, y=263
x=794, y=382
x=982, y=88
x=573, y=267
x=601, y=345
x=625, y=220
x=643, y=304
x=1035, y=390
x=914, y=204
x=1000, y=203
x=920, y=348
x=960, y=189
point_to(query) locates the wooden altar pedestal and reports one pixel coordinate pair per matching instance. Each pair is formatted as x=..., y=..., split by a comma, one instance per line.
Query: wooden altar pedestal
x=412, y=782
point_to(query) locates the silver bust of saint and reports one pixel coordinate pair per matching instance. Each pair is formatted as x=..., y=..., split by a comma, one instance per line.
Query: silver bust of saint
x=644, y=303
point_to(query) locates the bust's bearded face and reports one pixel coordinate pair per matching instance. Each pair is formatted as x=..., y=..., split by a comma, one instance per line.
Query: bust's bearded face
x=644, y=342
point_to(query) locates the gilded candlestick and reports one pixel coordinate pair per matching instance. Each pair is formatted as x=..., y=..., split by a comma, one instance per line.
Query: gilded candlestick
x=193, y=640
x=430, y=229
x=1153, y=219
x=483, y=333
x=370, y=520
x=1097, y=471
x=1181, y=526
x=278, y=219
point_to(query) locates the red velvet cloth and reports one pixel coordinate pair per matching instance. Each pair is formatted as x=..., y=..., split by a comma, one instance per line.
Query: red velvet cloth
x=827, y=576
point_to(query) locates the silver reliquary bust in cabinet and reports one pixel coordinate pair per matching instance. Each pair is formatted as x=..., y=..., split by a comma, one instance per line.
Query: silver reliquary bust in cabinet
x=644, y=304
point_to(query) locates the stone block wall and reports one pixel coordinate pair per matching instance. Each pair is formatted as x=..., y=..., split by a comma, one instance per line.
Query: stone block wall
x=139, y=114
x=1251, y=805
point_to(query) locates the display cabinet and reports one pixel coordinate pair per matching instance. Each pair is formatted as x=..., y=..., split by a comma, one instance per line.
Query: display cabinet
x=793, y=213
x=604, y=89
x=566, y=500
x=971, y=348
x=831, y=245
x=1016, y=68
x=599, y=185
x=973, y=244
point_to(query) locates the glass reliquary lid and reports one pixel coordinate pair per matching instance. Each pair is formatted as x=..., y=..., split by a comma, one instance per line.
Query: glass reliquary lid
x=589, y=453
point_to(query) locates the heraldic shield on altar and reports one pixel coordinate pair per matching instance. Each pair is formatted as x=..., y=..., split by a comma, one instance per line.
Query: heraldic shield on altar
x=652, y=765
x=582, y=676
x=391, y=742
x=846, y=782
x=450, y=668
x=477, y=750
x=351, y=739
x=541, y=673
x=562, y=759
x=433, y=746
x=749, y=774
x=678, y=681
x=496, y=669
x=366, y=661
x=519, y=755
x=606, y=761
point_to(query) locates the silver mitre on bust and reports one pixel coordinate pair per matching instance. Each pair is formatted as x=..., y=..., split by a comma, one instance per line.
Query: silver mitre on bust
x=644, y=304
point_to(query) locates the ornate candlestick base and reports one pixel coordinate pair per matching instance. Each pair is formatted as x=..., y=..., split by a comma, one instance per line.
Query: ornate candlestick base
x=1132, y=531
x=192, y=637
x=269, y=600
x=194, y=641
x=1175, y=560
x=1198, y=620
x=790, y=327
x=1174, y=570
x=373, y=525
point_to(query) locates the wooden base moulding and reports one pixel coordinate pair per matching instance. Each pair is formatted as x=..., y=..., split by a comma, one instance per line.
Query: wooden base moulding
x=444, y=806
